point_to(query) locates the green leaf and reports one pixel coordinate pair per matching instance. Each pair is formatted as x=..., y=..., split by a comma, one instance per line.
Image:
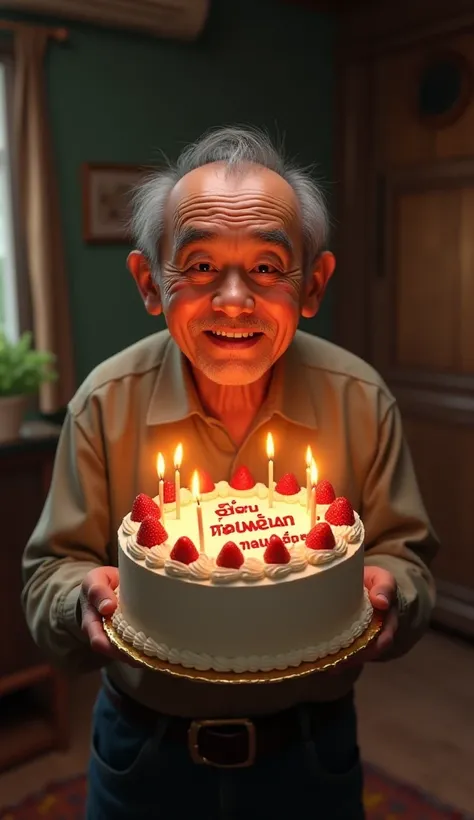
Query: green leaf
x=23, y=369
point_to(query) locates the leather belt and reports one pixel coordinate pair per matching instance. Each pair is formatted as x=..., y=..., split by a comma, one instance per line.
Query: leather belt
x=229, y=742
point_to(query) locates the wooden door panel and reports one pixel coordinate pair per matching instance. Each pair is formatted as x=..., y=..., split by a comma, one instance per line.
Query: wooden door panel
x=444, y=455
x=423, y=323
x=425, y=279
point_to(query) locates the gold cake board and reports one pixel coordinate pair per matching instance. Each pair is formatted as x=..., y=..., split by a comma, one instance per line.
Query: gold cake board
x=274, y=676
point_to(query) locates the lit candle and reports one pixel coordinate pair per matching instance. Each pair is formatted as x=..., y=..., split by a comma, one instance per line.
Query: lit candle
x=160, y=467
x=270, y=455
x=195, y=492
x=178, y=457
x=309, y=459
x=313, y=507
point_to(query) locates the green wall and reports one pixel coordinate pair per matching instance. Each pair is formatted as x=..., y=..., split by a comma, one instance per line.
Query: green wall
x=122, y=98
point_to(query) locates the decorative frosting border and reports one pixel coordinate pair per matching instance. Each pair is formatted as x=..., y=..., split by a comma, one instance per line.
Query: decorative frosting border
x=253, y=569
x=253, y=663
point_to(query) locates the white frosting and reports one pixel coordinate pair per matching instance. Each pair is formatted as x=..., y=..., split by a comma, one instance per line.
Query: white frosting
x=252, y=663
x=318, y=557
x=201, y=568
x=156, y=557
x=176, y=569
x=297, y=498
x=130, y=527
x=224, y=490
x=252, y=570
x=350, y=533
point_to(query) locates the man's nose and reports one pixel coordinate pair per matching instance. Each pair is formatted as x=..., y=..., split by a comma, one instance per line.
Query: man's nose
x=233, y=296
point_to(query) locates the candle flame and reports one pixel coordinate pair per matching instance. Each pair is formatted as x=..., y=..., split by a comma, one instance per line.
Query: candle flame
x=309, y=457
x=314, y=473
x=270, y=447
x=178, y=456
x=160, y=466
x=195, y=485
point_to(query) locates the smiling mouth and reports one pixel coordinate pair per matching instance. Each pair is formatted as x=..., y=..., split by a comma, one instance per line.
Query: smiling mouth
x=236, y=339
x=230, y=334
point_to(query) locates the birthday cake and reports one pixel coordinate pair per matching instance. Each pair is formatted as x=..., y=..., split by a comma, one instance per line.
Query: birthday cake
x=243, y=577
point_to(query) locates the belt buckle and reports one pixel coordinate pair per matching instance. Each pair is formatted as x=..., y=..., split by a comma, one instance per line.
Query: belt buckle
x=194, y=748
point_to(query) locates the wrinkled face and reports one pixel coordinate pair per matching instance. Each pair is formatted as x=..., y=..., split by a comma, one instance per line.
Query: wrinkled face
x=231, y=284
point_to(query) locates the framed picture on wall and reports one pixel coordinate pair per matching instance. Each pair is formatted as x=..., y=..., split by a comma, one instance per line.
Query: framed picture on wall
x=106, y=201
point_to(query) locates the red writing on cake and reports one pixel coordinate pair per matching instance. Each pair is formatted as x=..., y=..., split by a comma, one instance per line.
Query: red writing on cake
x=261, y=543
x=260, y=523
x=226, y=508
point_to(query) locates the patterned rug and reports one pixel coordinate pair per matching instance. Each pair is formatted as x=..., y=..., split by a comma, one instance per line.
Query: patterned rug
x=385, y=799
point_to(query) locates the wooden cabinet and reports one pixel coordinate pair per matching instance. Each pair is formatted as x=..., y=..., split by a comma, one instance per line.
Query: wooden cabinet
x=34, y=707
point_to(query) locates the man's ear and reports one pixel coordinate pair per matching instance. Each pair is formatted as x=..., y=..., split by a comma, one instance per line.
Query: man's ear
x=316, y=284
x=139, y=267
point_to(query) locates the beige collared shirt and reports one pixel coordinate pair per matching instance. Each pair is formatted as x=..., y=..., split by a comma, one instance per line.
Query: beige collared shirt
x=143, y=401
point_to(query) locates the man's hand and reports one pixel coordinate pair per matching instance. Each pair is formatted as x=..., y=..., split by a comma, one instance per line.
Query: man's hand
x=382, y=589
x=98, y=599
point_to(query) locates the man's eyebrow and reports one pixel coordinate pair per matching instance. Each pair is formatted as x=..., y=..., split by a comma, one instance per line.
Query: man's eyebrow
x=187, y=236
x=274, y=236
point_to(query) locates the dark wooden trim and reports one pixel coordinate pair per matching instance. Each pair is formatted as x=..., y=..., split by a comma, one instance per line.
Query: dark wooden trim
x=445, y=407
x=24, y=679
x=6, y=48
x=429, y=175
x=454, y=608
x=352, y=299
x=377, y=29
x=435, y=380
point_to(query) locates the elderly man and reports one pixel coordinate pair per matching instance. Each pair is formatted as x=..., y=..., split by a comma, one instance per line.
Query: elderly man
x=232, y=250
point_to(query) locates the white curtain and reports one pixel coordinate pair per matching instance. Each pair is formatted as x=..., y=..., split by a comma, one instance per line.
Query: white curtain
x=40, y=214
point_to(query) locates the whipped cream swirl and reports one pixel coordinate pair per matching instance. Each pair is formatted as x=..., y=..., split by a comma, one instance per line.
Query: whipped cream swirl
x=201, y=568
x=252, y=570
x=156, y=557
x=318, y=557
x=352, y=533
x=198, y=570
x=130, y=527
x=135, y=549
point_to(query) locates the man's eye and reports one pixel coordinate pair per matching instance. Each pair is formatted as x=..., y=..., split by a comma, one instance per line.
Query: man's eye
x=202, y=267
x=264, y=267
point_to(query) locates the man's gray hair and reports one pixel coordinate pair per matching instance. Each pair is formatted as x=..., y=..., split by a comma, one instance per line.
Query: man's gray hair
x=236, y=147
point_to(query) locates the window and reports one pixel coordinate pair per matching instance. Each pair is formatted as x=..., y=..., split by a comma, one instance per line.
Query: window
x=9, y=313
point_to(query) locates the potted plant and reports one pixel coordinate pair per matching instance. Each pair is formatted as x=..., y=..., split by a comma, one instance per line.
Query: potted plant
x=22, y=371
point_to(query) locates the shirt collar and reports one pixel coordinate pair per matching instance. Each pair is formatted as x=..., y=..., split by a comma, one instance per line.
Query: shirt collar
x=174, y=396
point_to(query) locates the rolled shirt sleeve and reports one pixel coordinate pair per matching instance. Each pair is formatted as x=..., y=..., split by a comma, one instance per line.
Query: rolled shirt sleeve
x=399, y=536
x=70, y=539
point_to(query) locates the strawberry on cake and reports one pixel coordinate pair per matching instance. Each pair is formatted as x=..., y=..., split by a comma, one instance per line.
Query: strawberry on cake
x=214, y=605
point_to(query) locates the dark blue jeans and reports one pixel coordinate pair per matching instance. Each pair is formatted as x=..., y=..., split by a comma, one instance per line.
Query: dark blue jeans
x=135, y=774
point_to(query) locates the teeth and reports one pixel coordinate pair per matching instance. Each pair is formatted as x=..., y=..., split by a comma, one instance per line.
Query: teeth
x=230, y=335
